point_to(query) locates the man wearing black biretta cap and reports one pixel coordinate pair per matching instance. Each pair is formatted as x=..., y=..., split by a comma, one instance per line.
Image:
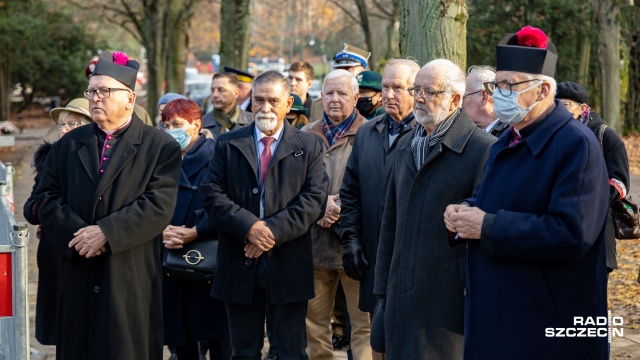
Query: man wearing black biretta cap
x=535, y=225
x=106, y=194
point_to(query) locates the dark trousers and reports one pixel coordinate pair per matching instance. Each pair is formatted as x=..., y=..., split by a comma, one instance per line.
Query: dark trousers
x=246, y=324
x=219, y=349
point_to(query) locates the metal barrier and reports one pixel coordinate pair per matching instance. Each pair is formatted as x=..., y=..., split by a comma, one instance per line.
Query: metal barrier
x=14, y=284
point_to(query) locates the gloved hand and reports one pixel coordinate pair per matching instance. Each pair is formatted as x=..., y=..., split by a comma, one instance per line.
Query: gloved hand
x=353, y=259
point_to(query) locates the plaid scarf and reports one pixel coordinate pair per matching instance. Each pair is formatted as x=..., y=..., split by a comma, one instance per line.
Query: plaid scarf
x=584, y=117
x=421, y=143
x=336, y=132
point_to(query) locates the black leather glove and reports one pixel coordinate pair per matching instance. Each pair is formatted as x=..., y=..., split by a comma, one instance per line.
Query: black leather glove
x=353, y=259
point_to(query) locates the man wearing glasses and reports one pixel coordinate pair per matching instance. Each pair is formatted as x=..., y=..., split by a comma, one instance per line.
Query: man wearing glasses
x=535, y=224
x=107, y=192
x=421, y=277
x=477, y=103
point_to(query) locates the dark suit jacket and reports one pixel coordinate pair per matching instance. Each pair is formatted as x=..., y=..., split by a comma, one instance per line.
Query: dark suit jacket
x=110, y=306
x=294, y=197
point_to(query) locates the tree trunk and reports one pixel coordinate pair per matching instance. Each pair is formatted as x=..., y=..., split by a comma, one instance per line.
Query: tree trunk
x=632, y=109
x=585, y=58
x=391, y=29
x=179, y=18
x=433, y=29
x=234, y=33
x=366, y=29
x=153, y=39
x=5, y=83
x=607, y=14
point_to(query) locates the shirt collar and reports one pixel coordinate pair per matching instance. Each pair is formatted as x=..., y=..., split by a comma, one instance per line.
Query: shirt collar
x=488, y=128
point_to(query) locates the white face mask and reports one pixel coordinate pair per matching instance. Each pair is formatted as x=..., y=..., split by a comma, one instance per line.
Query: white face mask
x=507, y=107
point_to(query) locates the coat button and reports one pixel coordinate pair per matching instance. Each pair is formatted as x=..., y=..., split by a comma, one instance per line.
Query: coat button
x=194, y=188
x=100, y=198
x=96, y=289
x=326, y=155
x=255, y=190
x=465, y=291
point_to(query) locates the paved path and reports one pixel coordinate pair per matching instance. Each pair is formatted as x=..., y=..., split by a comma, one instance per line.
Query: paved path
x=626, y=347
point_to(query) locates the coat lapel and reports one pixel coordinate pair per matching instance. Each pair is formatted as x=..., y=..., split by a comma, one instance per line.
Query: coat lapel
x=288, y=145
x=123, y=153
x=244, y=142
x=405, y=153
x=88, y=153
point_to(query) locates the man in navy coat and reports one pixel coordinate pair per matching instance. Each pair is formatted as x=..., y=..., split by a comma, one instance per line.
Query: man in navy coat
x=267, y=187
x=536, y=262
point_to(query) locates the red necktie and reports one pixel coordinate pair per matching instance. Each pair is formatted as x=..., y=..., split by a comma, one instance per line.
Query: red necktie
x=265, y=158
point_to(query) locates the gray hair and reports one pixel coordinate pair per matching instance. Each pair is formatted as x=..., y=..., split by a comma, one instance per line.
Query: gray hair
x=477, y=75
x=340, y=73
x=410, y=63
x=271, y=77
x=452, y=75
x=545, y=78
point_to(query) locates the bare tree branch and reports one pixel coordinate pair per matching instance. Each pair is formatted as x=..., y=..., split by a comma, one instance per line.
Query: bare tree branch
x=378, y=5
x=345, y=11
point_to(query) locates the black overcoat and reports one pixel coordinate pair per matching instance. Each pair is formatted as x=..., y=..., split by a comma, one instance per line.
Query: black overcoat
x=362, y=193
x=295, y=196
x=47, y=259
x=110, y=306
x=190, y=313
x=421, y=276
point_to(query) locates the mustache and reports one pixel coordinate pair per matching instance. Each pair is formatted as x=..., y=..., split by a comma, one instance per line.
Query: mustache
x=268, y=116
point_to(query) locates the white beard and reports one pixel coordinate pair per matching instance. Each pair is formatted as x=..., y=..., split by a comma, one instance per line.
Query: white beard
x=266, y=122
x=424, y=117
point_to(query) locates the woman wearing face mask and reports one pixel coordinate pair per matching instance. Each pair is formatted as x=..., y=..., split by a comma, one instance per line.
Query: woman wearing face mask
x=190, y=314
x=74, y=115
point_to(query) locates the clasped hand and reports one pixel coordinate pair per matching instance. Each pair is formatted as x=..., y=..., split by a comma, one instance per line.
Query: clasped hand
x=89, y=241
x=331, y=213
x=464, y=220
x=260, y=239
x=174, y=237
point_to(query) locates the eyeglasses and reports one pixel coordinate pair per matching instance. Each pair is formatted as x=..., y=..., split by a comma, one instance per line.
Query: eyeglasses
x=417, y=90
x=505, y=88
x=469, y=94
x=102, y=92
x=71, y=124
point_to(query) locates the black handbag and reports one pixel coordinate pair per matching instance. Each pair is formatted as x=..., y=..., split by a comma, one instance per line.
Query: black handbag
x=626, y=219
x=196, y=261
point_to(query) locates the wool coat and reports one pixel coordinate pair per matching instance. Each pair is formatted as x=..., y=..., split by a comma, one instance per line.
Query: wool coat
x=617, y=162
x=327, y=249
x=110, y=306
x=46, y=258
x=362, y=193
x=540, y=261
x=417, y=271
x=190, y=313
x=209, y=122
x=295, y=193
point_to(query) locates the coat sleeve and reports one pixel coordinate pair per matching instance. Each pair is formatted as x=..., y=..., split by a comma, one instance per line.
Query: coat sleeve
x=308, y=206
x=615, y=157
x=350, y=214
x=387, y=239
x=151, y=212
x=57, y=216
x=573, y=219
x=231, y=218
x=206, y=229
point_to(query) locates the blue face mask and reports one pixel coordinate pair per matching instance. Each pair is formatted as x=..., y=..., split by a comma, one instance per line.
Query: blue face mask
x=507, y=107
x=181, y=136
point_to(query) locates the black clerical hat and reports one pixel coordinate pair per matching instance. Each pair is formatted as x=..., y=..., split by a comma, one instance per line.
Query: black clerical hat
x=118, y=66
x=528, y=51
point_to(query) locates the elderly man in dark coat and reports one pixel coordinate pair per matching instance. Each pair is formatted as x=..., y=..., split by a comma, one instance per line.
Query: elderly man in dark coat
x=536, y=222
x=418, y=274
x=267, y=187
x=365, y=179
x=107, y=192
